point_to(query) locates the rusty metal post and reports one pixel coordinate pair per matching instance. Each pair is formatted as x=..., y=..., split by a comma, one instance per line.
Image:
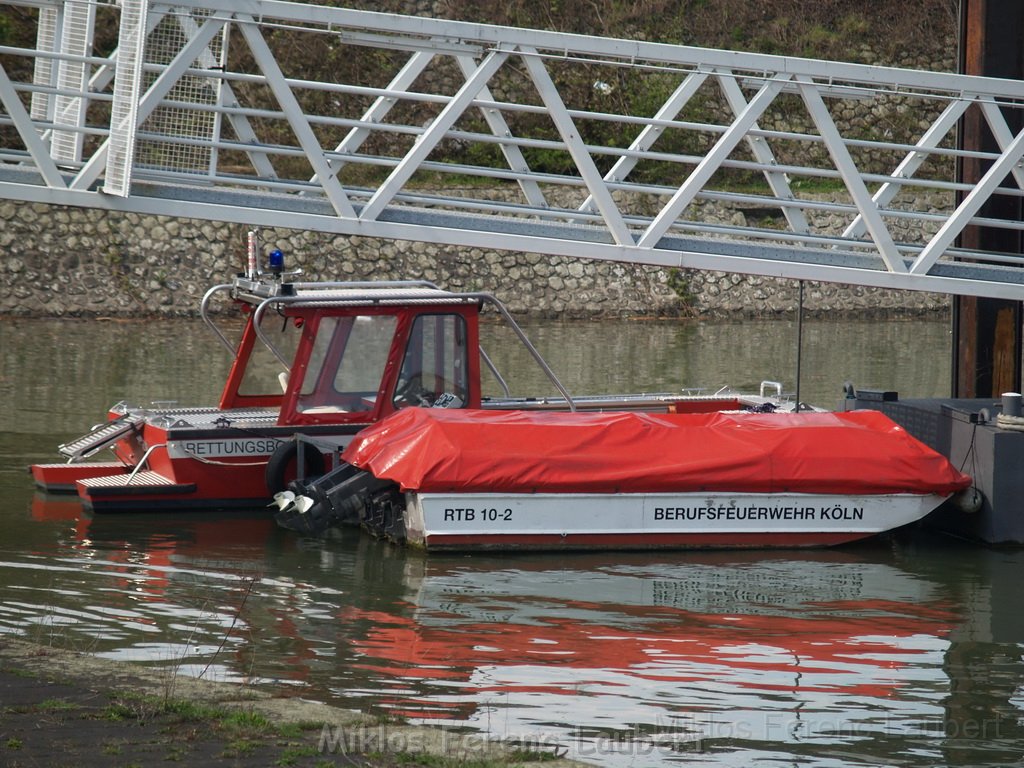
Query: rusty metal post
x=987, y=332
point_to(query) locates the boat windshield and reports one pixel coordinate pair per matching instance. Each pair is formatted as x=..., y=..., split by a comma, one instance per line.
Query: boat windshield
x=346, y=364
x=434, y=367
x=263, y=375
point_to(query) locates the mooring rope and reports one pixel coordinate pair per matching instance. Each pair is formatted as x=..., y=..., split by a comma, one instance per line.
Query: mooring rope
x=1014, y=423
x=207, y=460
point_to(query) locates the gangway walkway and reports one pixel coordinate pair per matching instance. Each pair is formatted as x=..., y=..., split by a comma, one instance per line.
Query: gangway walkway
x=502, y=138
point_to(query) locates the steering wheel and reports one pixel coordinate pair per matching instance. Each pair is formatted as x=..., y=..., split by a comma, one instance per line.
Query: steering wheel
x=412, y=392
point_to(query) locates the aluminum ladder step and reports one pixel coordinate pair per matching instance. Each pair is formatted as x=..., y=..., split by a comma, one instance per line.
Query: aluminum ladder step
x=100, y=437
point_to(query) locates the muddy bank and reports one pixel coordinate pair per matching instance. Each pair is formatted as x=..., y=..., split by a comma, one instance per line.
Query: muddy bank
x=60, y=708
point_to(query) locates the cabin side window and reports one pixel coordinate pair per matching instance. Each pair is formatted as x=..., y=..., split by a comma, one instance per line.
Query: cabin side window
x=434, y=368
x=346, y=364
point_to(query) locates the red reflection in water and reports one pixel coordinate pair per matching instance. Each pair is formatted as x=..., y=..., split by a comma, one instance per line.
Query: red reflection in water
x=850, y=646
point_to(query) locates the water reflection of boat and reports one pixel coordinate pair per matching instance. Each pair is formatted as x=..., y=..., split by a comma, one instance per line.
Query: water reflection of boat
x=49, y=507
x=707, y=648
x=150, y=590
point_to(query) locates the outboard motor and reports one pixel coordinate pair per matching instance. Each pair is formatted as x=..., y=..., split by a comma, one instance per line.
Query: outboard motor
x=344, y=496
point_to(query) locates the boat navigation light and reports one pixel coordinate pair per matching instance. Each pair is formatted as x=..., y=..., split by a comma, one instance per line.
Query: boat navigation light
x=275, y=261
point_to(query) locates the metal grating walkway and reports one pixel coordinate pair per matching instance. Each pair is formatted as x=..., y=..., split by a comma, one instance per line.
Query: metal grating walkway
x=194, y=116
x=100, y=437
x=144, y=479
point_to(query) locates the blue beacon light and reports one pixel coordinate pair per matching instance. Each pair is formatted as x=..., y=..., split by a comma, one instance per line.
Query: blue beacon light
x=275, y=261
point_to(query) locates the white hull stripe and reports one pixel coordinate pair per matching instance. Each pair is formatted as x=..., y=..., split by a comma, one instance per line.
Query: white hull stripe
x=495, y=515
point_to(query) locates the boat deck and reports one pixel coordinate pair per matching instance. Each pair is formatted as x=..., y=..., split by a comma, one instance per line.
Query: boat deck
x=208, y=417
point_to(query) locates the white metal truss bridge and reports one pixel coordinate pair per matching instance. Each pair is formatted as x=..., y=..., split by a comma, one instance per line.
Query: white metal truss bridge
x=501, y=138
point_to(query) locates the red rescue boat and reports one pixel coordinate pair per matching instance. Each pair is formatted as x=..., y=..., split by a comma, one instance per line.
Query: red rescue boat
x=362, y=403
x=470, y=479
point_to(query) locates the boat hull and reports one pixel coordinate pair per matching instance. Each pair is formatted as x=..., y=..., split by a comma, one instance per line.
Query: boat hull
x=450, y=521
x=186, y=469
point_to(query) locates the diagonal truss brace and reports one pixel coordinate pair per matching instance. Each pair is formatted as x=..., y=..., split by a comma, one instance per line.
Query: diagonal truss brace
x=652, y=132
x=712, y=161
x=763, y=154
x=931, y=138
x=239, y=123
x=848, y=171
x=970, y=206
x=293, y=113
x=1003, y=135
x=37, y=149
x=433, y=134
x=513, y=155
x=574, y=143
x=379, y=109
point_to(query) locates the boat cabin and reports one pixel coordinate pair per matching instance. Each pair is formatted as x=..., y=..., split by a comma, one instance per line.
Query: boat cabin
x=326, y=355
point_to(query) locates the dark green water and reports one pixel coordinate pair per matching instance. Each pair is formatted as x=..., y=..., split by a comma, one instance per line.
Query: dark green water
x=903, y=651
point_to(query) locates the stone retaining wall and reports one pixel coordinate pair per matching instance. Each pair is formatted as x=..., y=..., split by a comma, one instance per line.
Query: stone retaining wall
x=66, y=261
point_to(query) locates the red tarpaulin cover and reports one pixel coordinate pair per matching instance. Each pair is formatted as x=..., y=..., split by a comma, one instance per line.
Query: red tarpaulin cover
x=857, y=452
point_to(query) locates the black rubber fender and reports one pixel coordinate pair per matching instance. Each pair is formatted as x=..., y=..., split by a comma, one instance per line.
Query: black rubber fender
x=283, y=457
